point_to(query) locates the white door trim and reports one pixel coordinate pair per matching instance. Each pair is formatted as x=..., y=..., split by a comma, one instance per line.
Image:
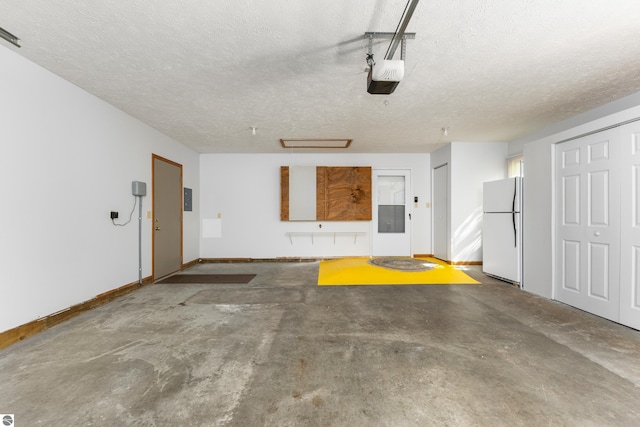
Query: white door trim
x=447, y=254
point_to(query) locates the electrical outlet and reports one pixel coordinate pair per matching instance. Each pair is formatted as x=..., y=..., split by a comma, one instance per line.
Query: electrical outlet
x=114, y=215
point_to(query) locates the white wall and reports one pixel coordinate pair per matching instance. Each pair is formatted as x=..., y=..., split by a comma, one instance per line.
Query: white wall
x=537, y=219
x=517, y=146
x=68, y=159
x=441, y=157
x=472, y=164
x=245, y=190
x=539, y=232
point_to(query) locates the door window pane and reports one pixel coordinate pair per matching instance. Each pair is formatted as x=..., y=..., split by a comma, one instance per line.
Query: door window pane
x=390, y=219
x=391, y=190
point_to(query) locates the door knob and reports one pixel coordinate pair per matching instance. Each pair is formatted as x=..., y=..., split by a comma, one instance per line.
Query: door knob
x=157, y=228
x=597, y=233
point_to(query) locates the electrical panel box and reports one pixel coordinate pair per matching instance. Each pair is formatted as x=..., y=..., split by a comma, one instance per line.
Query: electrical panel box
x=139, y=188
x=188, y=199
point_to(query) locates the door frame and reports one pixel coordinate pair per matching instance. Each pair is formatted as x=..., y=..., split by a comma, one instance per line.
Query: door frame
x=433, y=212
x=155, y=157
x=629, y=229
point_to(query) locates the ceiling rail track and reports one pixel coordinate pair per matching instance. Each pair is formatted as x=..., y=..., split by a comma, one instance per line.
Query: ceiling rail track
x=402, y=26
x=626, y=122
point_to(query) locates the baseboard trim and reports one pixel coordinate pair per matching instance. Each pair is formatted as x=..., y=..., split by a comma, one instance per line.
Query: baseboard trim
x=465, y=262
x=27, y=330
x=190, y=263
x=461, y=263
x=423, y=255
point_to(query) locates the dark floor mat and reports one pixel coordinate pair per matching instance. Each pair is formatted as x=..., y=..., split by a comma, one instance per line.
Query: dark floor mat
x=209, y=278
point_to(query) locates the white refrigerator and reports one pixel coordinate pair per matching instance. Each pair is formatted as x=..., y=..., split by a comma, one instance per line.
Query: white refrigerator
x=502, y=229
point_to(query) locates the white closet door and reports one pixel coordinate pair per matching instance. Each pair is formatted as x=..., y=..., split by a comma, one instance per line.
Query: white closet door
x=588, y=224
x=630, y=227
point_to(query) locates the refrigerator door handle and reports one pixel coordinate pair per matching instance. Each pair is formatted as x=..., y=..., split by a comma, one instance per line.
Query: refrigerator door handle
x=513, y=213
x=515, y=230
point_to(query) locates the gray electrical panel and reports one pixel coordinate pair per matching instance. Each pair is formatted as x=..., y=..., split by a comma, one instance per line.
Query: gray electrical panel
x=139, y=188
x=188, y=200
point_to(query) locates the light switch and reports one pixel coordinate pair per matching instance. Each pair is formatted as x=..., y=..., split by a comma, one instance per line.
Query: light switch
x=219, y=215
x=428, y=205
x=148, y=214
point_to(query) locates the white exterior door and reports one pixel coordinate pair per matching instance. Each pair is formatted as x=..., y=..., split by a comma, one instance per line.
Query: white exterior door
x=440, y=205
x=588, y=224
x=391, y=213
x=630, y=226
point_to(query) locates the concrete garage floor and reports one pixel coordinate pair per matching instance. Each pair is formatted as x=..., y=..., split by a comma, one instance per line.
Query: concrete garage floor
x=281, y=351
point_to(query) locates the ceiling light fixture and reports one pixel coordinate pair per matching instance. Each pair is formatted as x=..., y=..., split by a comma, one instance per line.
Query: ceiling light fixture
x=253, y=130
x=445, y=131
x=9, y=37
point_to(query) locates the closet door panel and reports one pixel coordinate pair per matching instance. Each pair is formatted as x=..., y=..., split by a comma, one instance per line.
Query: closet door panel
x=588, y=223
x=630, y=226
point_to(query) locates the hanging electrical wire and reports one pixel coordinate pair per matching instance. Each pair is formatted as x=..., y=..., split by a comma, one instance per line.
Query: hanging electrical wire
x=135, y=201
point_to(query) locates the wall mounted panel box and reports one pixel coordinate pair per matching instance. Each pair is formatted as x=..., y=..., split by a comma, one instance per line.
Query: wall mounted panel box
x=139, y=188
x=188, y=199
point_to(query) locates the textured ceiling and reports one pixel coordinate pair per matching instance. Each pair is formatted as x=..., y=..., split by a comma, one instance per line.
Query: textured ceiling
x=204, y=72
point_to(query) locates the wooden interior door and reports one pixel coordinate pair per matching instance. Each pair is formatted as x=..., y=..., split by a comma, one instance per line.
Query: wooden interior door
x=588, y=224
x=167, y=217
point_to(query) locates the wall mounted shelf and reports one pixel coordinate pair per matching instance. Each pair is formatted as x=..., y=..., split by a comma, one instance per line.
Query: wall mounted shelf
x=335, y=234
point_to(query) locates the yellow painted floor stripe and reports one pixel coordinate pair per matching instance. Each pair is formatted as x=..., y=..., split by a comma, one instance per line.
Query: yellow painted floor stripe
x=358, y=271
